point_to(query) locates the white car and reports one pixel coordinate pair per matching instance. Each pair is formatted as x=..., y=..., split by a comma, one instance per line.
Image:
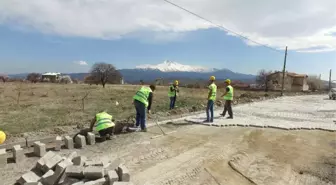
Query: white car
x=332, y=94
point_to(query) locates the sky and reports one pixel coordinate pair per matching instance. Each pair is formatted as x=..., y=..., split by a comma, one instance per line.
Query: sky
x=72, y=35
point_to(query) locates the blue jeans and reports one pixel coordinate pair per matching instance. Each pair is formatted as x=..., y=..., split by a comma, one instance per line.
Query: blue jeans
x=140, y=114
x=210, y=108
x=172, y=102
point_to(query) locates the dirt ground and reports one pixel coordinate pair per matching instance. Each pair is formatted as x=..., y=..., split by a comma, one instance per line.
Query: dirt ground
x=202, y=155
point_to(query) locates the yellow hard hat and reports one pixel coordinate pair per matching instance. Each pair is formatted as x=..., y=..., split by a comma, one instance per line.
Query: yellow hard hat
x=228, y=81
x=2, y=137
x=176, y=82
x=212, y=78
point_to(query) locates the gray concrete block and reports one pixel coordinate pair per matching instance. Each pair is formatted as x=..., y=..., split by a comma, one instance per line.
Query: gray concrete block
x=3, y=158
x=94, y=172
x=112, y=177
x=123, y=173
x=33, y=183
x=123, y=183
x=79, y=183
x=91, y=138
x=68, y=142
x=80, y=141
x=51, y=163
x=72, y=156
x=100, y=181
x=58, y=143
x=39, y=149
x=113, y=166
x=41, y=162
x=18, y=154
x=93, y=163
x=79, y=160
x=75, y=171
x=28, y=178
x=49, y=178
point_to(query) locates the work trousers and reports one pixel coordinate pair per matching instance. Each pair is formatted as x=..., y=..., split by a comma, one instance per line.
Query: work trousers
x=210, y=111
x=228, y=108
x=140, y=114
x=172, y=102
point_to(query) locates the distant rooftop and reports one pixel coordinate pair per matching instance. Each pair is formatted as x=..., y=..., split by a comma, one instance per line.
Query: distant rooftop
x=51, y=74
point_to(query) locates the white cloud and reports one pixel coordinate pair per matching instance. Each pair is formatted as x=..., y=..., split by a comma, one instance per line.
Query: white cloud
x=299, y=24
x=82, y=63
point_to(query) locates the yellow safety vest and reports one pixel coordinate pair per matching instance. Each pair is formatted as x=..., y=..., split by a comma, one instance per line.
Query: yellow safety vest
x=142, y=95
x=213, y=87
x=104, y=121
x=171, y=93
x=229, y=95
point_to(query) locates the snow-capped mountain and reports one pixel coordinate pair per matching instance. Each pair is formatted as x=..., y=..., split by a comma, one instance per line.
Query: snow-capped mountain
x=169, y=66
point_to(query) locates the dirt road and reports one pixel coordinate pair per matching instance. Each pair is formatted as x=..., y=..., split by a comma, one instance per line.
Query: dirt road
x=202, y=155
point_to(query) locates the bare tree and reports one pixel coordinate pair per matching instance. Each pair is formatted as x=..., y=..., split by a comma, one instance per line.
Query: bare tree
x=33, y=77
x=314, y=82
x=105, y=73
x=263, y=78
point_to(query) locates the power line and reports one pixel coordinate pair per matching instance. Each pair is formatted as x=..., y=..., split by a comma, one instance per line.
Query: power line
x=220, y=26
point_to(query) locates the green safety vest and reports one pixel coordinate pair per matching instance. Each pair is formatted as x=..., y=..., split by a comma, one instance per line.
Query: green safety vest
x=142, y=95
x=171, y=93
x=213, y=87
x=104, y=121
x=229, y=95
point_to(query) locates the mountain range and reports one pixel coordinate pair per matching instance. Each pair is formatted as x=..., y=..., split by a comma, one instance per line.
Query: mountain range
x=168, y=70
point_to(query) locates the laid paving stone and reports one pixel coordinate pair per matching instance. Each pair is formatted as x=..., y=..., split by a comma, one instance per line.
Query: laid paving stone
x=58, y=143
x=123, y=173
x=112, y=177
x=39, y=149
x=80, y=141
x=68, y=142
x=91, y=138
x=18, y=154
x=94, y=172
x=93, y=163
x=79, y=160
x=33, y=183
x=3, y=158
x=123, y=183
x=28, y=177
x=72, y=156
x=113, y=166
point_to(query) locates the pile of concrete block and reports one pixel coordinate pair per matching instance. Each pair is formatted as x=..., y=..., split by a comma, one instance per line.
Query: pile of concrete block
x=53, y=169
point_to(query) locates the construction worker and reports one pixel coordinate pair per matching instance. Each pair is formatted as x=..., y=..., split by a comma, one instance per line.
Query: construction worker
x=228, y=97
x=142, y=100
x=211, y=99
x=104, y=124
x=2, y=137
x=172, y=94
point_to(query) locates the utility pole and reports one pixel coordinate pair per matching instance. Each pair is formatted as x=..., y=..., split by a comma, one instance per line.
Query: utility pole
x=329, y=79
x=283, y=73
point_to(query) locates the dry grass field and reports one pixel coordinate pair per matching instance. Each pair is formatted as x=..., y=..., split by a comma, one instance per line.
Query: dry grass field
x=26, y=107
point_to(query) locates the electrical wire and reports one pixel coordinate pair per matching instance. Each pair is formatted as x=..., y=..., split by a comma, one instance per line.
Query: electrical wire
x=220, y=26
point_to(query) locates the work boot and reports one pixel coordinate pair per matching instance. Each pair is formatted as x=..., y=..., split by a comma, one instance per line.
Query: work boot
x=144, y=130
x=222, y=114
x=229, y=117
x=206, y=121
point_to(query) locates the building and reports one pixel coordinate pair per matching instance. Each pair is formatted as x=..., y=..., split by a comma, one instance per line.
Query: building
x=293, y=81
x=50, y=77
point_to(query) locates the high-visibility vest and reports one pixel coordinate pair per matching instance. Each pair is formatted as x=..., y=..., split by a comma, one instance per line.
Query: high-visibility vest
x=213, y=88
x=229, y=95
x=172, y=93
x=103, y=121
x=142, y=95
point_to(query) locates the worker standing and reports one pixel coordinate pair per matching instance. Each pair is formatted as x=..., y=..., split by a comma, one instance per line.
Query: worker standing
x=228, y=97
x=172, y=94
x=211, y=100
x=142, y=100
x=104, y=125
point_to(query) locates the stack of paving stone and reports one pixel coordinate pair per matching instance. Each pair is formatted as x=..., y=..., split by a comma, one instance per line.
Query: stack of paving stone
x=53, y=169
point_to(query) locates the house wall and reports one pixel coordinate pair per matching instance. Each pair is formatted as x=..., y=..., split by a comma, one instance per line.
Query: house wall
x=275, y=82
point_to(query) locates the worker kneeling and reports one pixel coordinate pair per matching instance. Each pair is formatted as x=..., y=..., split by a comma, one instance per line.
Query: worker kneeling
x=104, y=125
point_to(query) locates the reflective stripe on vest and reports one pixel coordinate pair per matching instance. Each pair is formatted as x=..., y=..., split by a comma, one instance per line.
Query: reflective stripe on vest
x=229, y=95
x=171, y=93
x=104, y=121
x=142, y=95
x=213, y=87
